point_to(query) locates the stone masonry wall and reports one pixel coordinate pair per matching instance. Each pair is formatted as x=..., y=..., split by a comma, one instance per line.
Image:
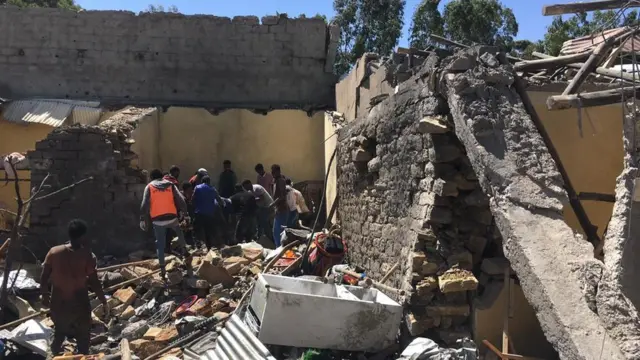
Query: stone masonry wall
x=408, y=195
x=164, y=58
x=110, y=203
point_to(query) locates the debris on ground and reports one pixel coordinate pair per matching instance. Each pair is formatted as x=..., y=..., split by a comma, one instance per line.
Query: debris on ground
x=238, y=293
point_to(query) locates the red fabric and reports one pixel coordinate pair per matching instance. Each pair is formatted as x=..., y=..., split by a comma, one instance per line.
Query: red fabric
x=173, y=180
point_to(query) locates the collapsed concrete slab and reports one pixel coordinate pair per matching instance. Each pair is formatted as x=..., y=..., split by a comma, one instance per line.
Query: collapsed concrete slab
x=519, y=175
x=618, y=292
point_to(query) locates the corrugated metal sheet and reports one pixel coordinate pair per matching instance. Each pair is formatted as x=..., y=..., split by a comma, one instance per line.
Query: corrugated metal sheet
x=237, y=342
x=586, y=43
x=50, y=112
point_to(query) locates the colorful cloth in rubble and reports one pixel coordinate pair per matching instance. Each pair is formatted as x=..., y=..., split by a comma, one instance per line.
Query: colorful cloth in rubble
x=325, y=252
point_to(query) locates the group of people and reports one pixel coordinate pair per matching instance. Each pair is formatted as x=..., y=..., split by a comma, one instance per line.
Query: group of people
x=258, y=209
x=168, y=207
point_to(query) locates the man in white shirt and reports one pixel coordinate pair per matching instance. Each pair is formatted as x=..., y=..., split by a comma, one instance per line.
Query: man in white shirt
x=297, y=204
x=264, y=201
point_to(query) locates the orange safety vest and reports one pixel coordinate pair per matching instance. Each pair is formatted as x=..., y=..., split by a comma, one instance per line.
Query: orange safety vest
x=162, y=202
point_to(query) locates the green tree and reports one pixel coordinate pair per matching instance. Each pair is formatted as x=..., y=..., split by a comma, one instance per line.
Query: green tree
x=580, y=25
x=366, y=26
x=159, y=8
x=62, y=4
x=466, y=21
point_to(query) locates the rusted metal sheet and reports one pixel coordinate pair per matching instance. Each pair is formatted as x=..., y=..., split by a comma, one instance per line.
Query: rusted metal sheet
x=590, y=42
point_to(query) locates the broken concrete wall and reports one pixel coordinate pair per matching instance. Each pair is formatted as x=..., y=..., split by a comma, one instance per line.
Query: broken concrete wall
x=165, y=58
x=526, y=198
x=408, y=196
x=618, y=290
x=110, y=203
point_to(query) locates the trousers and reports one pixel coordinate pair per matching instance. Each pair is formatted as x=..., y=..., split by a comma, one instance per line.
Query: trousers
x=263, y=215
x=161, y=238
x=245, y=228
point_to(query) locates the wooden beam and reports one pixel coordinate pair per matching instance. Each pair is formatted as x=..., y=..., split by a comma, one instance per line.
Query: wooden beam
x=414, y=51
x=590, y=196
x=572, y=8
x=591, y=99
x=615, y=74
x=591, y=64
x=446, y=41
x=551, y=62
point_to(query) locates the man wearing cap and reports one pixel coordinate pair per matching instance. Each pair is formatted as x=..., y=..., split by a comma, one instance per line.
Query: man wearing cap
x=197, y=178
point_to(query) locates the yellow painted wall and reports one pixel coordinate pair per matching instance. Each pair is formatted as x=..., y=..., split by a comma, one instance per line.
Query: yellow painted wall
x=592, y=160
x=192, y=138
x=524, y=329
x=18, y=138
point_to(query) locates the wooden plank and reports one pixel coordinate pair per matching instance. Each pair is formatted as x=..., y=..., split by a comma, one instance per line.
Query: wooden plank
x=572, y=8
x=590, y=196
x=591, y=99
x=549, y=63
x=125, y=351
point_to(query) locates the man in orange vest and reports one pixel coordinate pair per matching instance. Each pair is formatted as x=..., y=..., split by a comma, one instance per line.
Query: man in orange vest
x=162, y=205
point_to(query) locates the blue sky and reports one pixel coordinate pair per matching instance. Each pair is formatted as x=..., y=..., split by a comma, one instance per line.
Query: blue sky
x=528, y=12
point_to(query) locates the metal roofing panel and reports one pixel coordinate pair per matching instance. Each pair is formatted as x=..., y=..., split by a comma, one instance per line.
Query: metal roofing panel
x=48, y=112
x=236, y=341
x=589, y=42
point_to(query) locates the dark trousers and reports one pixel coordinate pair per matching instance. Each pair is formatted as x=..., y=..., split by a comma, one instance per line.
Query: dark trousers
x=264, y=222
x=246, y=228
x=71, y=319
x=205, y=228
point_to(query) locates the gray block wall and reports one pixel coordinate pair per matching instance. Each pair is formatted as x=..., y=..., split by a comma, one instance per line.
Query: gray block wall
x=165, y=58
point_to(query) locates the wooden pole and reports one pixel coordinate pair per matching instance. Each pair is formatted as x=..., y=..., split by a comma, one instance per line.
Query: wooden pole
x=505, y=315
x=120, y=266
x=592, y=62
x=446, y=41
x=615, y=74
x=551, y=62
x=591, y=99
x=572, y=8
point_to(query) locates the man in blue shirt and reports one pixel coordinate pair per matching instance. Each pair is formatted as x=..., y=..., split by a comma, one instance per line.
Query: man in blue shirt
x=205, y=204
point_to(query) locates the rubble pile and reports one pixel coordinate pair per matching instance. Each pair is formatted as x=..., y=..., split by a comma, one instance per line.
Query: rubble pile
x=151, y=313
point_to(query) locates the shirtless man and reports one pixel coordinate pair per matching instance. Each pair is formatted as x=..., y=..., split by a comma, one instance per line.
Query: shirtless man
x=70, y=268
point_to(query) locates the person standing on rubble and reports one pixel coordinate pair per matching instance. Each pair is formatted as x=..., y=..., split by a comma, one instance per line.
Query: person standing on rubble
x=70, y=268
x=173, y=175
x=280, y=203
x=227, y=181
x=244, y=204
x=196, y=179
x=264, y=179
x=206, y=203
x=297, y=204
x=263, y=210
x=162, y=205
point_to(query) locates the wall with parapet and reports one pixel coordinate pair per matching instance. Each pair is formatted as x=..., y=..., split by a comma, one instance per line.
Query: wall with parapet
x=165, y=58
